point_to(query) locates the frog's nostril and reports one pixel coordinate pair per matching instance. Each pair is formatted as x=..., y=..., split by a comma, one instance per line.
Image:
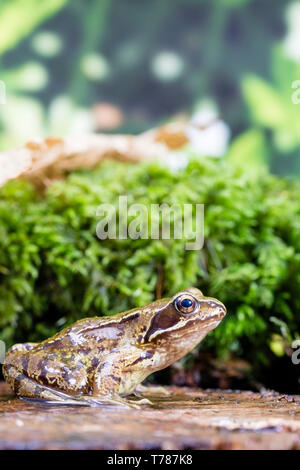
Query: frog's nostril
x=222, y=306
x=221, y=309
x=217, y=305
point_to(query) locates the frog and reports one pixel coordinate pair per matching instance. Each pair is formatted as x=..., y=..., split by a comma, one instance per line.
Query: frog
x=100, y=361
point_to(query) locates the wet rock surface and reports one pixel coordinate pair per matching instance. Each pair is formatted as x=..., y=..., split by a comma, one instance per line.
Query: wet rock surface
x=185, y=419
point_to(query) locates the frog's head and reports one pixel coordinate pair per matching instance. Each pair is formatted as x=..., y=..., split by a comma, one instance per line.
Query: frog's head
x=177, y=324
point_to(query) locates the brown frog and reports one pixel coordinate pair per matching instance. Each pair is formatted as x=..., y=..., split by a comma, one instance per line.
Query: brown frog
x=100, y=360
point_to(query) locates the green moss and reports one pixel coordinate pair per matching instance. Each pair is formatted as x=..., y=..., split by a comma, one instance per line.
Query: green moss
x=54, y=270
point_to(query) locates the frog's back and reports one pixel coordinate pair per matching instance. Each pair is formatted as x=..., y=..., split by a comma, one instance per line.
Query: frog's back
x=83, y=342
x=66, y=361
x=91, y=335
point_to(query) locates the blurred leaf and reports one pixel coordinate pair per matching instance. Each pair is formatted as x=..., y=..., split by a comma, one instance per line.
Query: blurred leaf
x=272, y=107
x=19, y=17
x=250, y=148
x=266, y=105
x=284, y=71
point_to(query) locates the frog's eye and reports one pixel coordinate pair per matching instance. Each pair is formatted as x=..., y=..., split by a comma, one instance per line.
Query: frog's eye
x=185, y=303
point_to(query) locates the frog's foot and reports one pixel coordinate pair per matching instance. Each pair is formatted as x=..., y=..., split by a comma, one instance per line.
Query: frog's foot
x=66, y=401
x=86, y=400
x=142, y=401
x=152, y=390
x=114, y=400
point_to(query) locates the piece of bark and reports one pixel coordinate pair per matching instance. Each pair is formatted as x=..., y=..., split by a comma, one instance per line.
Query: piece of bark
x=187, y=419
x=43, y=160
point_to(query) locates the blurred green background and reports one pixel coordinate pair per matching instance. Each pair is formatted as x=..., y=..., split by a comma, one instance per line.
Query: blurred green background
x=127, y=65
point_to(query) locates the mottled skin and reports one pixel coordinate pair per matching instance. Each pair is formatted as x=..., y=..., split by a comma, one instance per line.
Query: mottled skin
x=101, y=360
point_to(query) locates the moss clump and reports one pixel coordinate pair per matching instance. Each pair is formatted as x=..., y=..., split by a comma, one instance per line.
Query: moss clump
x=54, y=270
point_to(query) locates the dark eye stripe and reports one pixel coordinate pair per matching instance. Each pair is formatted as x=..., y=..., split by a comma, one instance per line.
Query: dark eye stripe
x=162, y=321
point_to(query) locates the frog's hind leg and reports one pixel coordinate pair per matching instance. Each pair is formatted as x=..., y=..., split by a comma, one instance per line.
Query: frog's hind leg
x=28, y=389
